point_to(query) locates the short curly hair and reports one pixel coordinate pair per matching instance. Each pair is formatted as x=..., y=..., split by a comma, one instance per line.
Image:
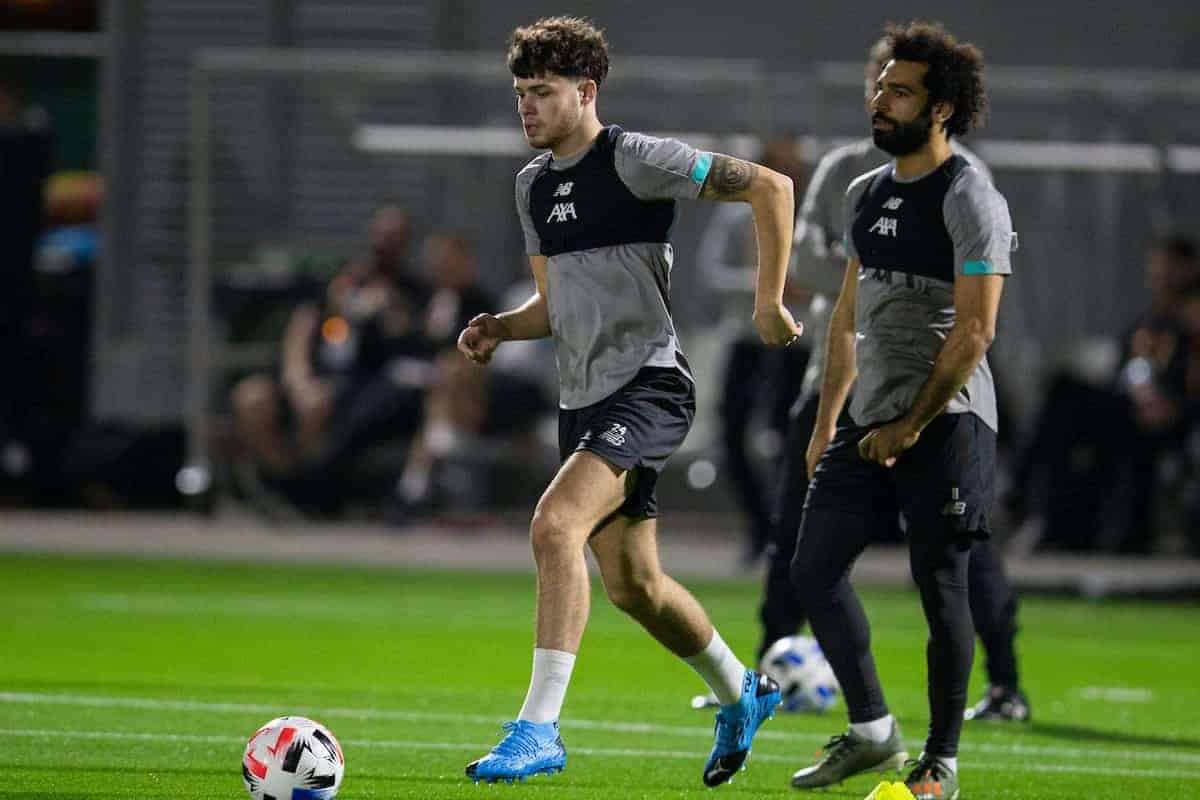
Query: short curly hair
x=572, y=47
x=955, y=73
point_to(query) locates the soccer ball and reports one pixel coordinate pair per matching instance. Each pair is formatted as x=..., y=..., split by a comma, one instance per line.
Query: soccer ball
x=804, y=676
x=293, y=758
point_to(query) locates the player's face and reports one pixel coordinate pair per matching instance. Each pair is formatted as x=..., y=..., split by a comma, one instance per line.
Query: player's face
x=550, y=107
x=901, y=119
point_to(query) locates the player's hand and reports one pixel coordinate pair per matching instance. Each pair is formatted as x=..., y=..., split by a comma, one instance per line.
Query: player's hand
x=776, y=326
x=479, y=340
x=886, y=443
x=816, y=448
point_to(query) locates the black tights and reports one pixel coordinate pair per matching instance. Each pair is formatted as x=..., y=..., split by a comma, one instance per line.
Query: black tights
x=828, y=545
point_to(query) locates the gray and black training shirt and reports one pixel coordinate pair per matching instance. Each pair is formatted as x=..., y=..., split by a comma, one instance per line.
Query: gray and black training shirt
x=819, y=262
x=603, y=220
x=913, y=238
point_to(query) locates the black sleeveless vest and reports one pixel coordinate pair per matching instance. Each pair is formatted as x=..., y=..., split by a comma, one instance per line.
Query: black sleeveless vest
x=588, y=205
x=900, y=227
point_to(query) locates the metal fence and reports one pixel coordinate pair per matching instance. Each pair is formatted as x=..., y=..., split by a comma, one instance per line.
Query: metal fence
x=1091, y=163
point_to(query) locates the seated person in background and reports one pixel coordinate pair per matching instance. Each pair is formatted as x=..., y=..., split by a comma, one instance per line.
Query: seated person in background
x=1098, y=440
x=450, y=270
x=332, y=351
x=465, y=404
x=1189, y=452
x=1155, y=381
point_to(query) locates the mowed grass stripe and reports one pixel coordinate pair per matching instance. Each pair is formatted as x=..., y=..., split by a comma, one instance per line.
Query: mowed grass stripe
x=599, y=752
x=1151, y=752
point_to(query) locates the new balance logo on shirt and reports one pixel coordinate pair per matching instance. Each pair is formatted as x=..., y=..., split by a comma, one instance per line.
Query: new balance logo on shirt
x=563, y=189
x=893, y=203
x=562, y=212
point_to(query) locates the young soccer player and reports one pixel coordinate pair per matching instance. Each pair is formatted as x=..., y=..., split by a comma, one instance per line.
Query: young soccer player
x=597, y=210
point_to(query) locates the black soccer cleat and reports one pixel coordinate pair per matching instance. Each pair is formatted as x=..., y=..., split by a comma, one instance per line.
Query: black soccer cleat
x=1000, y=704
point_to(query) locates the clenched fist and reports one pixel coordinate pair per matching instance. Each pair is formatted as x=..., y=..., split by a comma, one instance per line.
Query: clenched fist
x=481, y=337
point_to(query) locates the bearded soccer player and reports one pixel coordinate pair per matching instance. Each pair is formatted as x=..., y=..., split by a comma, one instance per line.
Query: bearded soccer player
x=820, y=265
x=597, y=210
x=927, y=241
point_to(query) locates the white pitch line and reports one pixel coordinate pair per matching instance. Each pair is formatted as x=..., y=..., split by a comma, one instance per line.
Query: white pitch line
x=1116, y=694
x=1161, y=753
x=600, y=752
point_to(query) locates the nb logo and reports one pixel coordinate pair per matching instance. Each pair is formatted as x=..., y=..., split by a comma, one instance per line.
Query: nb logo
x=562, y=212
x=955, y=508
x=885, y=226
x=564, y=189
x=893, y=203
x=615, y=435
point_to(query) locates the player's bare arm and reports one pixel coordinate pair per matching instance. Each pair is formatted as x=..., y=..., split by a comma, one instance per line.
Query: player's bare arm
x=772, y=202
x=840, y=366
x=976, y=306
x=483, y=334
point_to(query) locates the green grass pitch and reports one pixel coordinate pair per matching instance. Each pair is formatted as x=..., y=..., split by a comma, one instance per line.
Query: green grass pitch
x=138, y=679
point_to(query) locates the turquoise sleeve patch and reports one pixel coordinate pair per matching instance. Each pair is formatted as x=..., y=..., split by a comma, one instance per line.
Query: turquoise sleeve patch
x=703, y=165
x=978, y=268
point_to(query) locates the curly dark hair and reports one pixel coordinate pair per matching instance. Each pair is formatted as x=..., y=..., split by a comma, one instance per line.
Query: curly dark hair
x=955, y=73
x=572, y=47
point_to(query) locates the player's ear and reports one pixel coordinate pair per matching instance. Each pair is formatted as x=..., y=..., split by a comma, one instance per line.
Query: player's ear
x=587, y=91
x=942, y=112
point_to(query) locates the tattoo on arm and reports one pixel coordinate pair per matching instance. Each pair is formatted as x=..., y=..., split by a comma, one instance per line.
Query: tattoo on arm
x=728, y=178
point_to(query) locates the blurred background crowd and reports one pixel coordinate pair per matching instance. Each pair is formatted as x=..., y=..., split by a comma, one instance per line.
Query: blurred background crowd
x=239, y=241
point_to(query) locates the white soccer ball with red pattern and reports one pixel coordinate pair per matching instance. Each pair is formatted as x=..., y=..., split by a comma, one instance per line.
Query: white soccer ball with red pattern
x=293, y=758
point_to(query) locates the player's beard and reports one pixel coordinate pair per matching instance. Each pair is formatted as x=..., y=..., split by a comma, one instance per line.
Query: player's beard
x=552, y=130
x=904, y=138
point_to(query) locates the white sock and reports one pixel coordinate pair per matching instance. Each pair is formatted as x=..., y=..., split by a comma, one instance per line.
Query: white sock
x=950, y=763
x=547, y=685
x=877, y=730
x=720, y=669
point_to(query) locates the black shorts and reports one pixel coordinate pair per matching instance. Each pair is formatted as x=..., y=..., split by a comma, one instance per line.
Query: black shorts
x=946, y=482
x=636, y=429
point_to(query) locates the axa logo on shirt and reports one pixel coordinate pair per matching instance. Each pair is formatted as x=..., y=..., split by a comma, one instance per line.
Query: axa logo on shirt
x=564, y=189
x=885, y=226
x=562, y=212
x=615, y=435
x=893, y=203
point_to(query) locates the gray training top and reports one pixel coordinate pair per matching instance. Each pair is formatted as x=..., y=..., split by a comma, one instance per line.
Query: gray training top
x=914, y=239
x=820, y=262
x=609, y=302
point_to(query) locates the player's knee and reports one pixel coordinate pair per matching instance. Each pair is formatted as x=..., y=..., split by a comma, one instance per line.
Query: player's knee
x=806, y=579
x=550, y=532
x=807, y=576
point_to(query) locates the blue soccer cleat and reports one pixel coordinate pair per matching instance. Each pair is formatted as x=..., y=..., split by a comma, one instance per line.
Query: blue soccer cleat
x=528, y=749
x=736, y=725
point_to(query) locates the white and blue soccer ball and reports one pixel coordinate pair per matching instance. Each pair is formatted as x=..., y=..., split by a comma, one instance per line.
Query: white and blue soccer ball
x=804, y=676
x=293, y=758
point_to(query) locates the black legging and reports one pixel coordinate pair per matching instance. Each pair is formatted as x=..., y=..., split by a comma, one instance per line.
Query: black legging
x=745, y=373
x=781, y=613
x=828, y=545
x=754, y=371
x=992, y=599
